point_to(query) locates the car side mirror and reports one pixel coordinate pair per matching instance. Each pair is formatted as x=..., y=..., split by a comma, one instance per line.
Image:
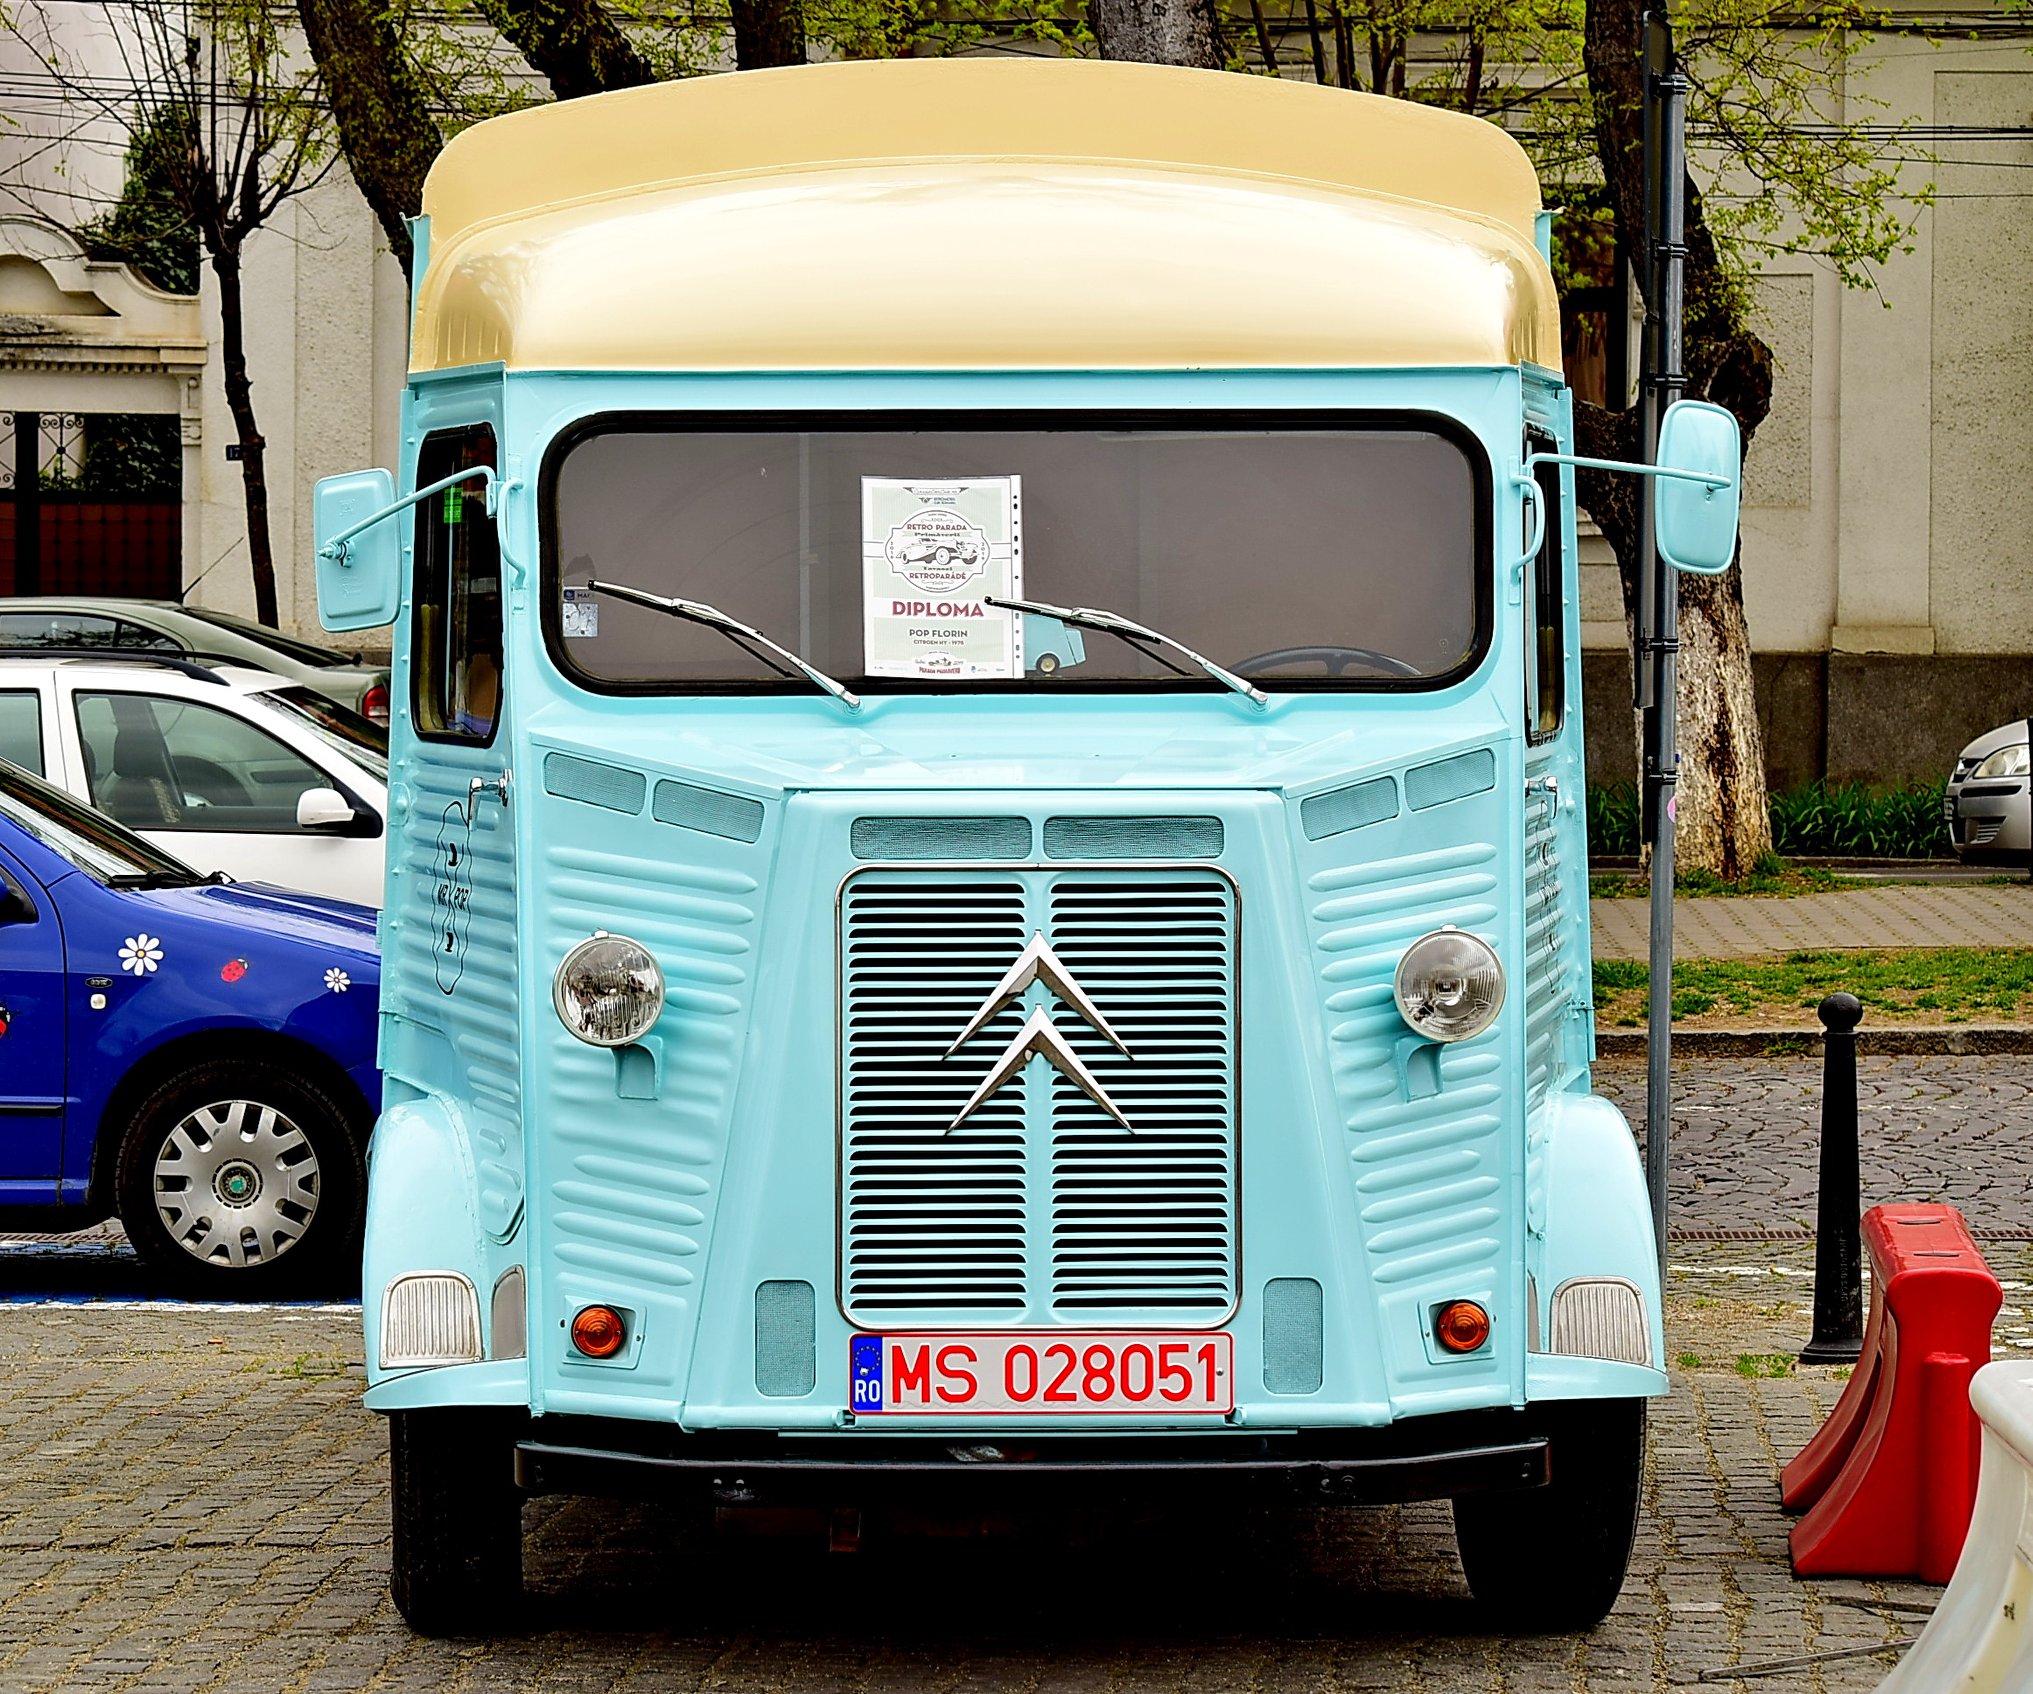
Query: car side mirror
x=15, y=905
x=359, y=574
x=1695, y=512
x=329, y=812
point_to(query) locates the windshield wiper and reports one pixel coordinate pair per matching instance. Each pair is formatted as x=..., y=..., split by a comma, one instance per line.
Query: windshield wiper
x=165, y=879
x=694, y=611
x=1114, y=623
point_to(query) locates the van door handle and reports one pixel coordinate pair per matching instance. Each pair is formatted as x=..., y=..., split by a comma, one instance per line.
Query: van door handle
x=498, y=786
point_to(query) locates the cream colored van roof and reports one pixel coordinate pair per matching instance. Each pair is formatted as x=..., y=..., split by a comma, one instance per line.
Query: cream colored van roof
x=983, y=214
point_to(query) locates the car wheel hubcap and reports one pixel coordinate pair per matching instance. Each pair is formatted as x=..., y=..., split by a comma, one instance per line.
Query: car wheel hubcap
x=236, y=1184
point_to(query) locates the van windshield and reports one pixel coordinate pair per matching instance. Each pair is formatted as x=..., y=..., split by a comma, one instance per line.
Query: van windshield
x=1321, y=553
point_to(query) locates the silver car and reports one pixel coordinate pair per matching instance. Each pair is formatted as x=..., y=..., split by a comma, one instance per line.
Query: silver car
x=1990, y=812
x=53, y=623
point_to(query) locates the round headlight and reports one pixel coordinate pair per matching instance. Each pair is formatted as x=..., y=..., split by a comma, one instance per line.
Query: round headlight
x=2006, y=761
x=1450, y=985
x=609, y=991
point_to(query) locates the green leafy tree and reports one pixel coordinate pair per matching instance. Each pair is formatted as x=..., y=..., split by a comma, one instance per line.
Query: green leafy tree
x=230, y=126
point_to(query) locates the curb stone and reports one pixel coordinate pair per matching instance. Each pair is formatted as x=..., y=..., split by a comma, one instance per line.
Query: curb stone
x=1954, y=1040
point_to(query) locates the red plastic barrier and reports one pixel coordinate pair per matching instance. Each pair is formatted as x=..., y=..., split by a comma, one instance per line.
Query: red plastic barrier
x=1889, y=1480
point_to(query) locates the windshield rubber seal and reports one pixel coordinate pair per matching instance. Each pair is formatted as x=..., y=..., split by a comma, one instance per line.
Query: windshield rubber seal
x=639, y=420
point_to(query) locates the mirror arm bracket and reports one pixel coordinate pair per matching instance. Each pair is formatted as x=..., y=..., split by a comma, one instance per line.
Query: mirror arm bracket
x=335, y=548
x=1629, y=468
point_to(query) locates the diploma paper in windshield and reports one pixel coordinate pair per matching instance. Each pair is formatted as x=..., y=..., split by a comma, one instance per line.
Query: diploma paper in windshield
x=932, y=553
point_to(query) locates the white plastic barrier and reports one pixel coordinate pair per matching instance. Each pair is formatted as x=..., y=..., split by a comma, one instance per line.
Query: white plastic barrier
x=1980, y=1639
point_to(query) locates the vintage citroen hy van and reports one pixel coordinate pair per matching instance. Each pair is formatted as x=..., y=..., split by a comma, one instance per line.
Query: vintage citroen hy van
x=986, y=883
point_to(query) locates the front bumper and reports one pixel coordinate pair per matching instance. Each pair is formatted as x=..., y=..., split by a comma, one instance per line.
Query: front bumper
x=1428, y=1458
x=1990, y=820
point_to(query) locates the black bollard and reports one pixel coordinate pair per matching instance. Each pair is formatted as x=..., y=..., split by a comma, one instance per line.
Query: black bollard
x=1838, y=1242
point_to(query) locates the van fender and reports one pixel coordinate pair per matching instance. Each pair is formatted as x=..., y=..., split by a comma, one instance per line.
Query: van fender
x=1595, y=1241
x=421, y=1216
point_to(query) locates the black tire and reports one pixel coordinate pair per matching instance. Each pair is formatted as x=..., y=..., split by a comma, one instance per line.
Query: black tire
x=303, y=1169
x=455, y=1563
x=1552, y=1560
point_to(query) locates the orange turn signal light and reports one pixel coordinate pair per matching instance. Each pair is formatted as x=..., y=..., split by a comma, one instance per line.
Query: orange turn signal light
x=598, y=1332
x=1462, y=1326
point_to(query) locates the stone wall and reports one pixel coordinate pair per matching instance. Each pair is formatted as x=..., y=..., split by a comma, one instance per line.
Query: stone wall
x=1849, y=717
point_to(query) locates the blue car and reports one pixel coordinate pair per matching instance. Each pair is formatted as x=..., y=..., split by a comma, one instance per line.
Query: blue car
x=193, y=1055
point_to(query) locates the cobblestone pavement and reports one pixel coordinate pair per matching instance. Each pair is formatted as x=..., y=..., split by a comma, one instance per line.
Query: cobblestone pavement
x=193, y=1501
x=1939, y=915
x=1746, y=1137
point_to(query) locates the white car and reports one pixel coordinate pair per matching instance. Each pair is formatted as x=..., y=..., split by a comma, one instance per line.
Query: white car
x=231, y=770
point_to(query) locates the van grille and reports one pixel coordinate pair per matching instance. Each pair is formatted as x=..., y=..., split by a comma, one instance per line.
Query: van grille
x=1039, y=1207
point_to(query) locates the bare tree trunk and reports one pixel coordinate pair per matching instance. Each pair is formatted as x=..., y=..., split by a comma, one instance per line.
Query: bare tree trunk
x=576, y=44
x=1723, y=823
x=379, y=108
x=1319, y=46
x=1263, y=31
x=1344, y=48
x=767, y=33
x=1158, y=32
x=240, y=402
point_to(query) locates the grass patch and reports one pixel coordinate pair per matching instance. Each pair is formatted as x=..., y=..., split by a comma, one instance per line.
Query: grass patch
x=1755, y=1365
x=1913, y=984
x=1844, y=820
x=1689, y=1361
x=1773, y=876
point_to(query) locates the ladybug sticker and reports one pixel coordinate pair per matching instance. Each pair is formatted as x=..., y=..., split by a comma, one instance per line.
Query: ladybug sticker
x=232, y=970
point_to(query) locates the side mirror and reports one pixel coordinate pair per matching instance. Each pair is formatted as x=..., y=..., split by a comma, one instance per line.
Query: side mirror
x=331, y=813
x=1694, y=523
x=360, y=577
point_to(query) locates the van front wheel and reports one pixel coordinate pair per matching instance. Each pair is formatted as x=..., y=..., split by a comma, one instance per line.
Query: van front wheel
x=1549, y=1560
x=455, y=1567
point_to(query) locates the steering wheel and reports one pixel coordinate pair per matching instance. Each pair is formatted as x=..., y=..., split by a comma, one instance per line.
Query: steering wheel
x=1336, y=659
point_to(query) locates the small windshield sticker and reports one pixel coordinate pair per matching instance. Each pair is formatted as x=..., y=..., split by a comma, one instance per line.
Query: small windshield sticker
x=581, y=613
x=932, y=554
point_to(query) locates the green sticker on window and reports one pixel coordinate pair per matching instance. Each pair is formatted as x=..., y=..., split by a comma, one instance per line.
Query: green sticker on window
x=455, y=504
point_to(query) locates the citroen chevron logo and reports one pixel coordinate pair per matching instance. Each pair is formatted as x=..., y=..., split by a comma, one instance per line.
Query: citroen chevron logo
x=1039, y=1036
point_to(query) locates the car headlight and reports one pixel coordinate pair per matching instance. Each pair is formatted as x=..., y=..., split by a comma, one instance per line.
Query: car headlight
x=2006, y=761
x=608, y=990
x=1450, y=985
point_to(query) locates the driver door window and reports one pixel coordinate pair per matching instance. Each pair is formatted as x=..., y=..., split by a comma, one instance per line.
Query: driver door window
x=458, y=594
x=1546, y=611
x=159, y=763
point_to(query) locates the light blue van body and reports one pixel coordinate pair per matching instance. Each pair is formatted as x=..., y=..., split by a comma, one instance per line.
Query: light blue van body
x=697, y=1181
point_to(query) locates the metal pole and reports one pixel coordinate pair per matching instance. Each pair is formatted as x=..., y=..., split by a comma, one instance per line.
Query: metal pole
x=1665, y=244
x=1838, y=1237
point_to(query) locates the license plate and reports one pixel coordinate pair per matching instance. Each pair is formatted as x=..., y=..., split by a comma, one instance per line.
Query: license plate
x=1055, y=1372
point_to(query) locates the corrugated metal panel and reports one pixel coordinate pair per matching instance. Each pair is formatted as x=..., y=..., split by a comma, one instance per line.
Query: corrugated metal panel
x=1039, y=1205
x=451, y=967
x=1547, y=965
x=631, y=1203
x=1428, y=1170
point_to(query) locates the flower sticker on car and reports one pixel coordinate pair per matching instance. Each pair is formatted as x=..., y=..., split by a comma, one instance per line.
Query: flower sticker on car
x=141, y=954
x=337, y=980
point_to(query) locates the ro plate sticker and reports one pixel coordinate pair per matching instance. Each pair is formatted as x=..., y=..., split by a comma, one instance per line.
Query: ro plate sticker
x=932, y=554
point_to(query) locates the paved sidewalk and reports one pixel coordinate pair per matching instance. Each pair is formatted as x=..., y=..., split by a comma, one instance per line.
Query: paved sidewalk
x=1745, y=926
